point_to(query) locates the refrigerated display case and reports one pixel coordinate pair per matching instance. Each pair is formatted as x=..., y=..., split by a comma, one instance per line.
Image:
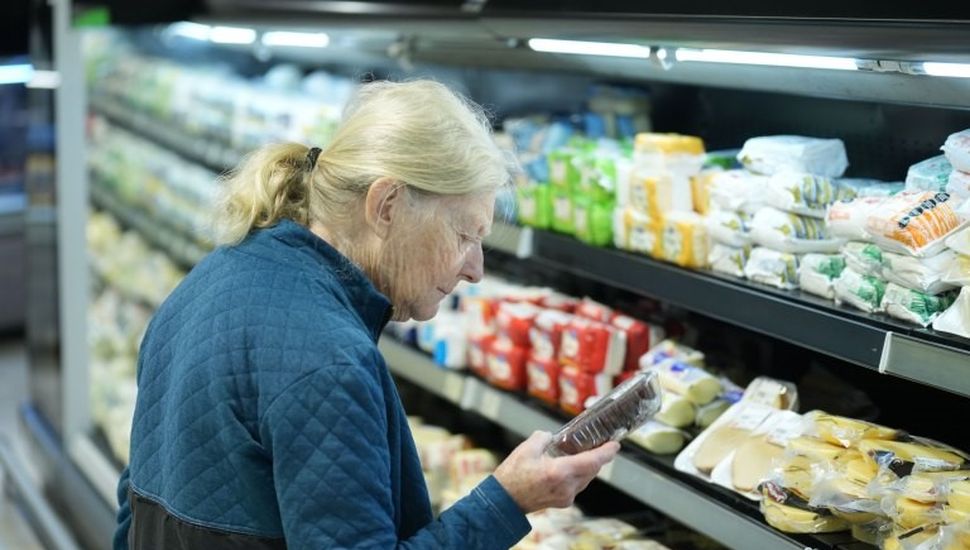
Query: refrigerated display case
x=143, y=135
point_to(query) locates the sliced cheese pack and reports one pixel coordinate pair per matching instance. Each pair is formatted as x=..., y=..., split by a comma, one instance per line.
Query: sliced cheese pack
x=847, y=432
x=929, y=175
x=805, y=194
x=753, y=460
x=914, y=223
x=863, y=292
x=737, y=191
x=847, y=219
x=817, y=273
x=636, y=231
x=771, y=267
x=684, y=240
x=728, y=259
x=658, y=438
x=787, y=232
x=914, y=306
x=956, y=319
x=788, y=513
x=930, y=486
x=918, y=455
x=777, y=154
x=842, y=487
x=909, y=514
x=692, y=382
x=957, y=150
x=676, y=411
x=721, y=439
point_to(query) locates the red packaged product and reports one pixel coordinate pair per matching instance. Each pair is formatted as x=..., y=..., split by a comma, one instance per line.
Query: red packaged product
x=594, y=310
x=543, y=379
x=546, y=333
x=593, y=347
x=640, y=337
x=506, y=365
x=480, y=315
x=576, y=386
x=561, y=302
x=515, y=320
x=478, y=349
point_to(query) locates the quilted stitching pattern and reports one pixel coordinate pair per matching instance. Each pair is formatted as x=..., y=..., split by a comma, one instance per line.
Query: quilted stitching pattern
x=265, y=408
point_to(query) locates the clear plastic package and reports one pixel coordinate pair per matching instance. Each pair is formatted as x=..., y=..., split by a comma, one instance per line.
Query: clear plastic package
x=847, y=432
x=817, y=274
x=771, y=267
x=847, y=219
x=958, y=184
x=728, y=259
x=775, y=154
x=929, y=175
x=863, y=292
x=914, y=306
x=914, y=223
x=956, y=319
x=805, y=194
x=611, y=418
x=787, y=232
x=957, y=272
x=729, y=228
x=737, y=190
x=957, y=150
x=960, y=241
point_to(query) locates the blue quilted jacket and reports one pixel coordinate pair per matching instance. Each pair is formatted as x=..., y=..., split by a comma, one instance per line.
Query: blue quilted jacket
x=266, y=417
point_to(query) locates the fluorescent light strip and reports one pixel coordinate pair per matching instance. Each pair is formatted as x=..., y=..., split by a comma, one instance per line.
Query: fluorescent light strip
x=765, y=58
x=194, y=31
x=232, y=35
x=45, y=79
x=580, y=47
x=956, y=70
x=16, y=74
x=295, y=39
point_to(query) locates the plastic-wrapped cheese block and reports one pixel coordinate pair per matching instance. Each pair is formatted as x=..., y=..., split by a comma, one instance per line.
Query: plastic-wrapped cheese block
x=679, y=155
x=787, y=232
x=929, y=175
x=612, y=417
x=770, y=267
x=676, y=411
x=775, y=154
x=576, y=386
x=636, y=231
x=728, y=259
x=669, y=350
x=958, y=184
x=847, y=219
x=923, y=274
x=757, y=454
x=729, y=228
x=658, y=438
x=737, y=191
x=657, y=195
x=957, y=150
x=928, y=486
x=543, y=379
x=956, y=319
x=864, y=258
x=805, y=194
x=845, y=432
x=914, y=306
x=913, y=223
x=684, y=240
x=692, y=382
x=905, y=457
x=817, y=274
x=789, y=514
x=723, y=437
x=860, y=291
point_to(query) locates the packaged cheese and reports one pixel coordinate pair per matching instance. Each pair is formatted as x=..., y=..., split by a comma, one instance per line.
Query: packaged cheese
x=956, y=319
x=864, y=258
x=863, y=292
x=676, y=411
x=755, y=457
x=927, y=486
x=847, y=432
x=770, y=267
x=563, y=219
x=636, y=231
x=817, y=274
x=728, y=259
x=922, y=274
x=658, y=195
x=960, y=241
x=718, y=441
x=787, y=232
x=593, y=221
x=958, y=184
x=479, y=348
x=918, y=455
x=929, y=175
x=658, y=438
x=675, y=153
x=684, y=240
x=805, y=194
x=771, y=155
x=591, y=309
x=913, y=223
x=593, y=347
x=669, y=350
x=515, y=321
x=774, y=393
x=545, y=335
x=694, y=383
x=789, y=514
x=914, y=306
x=847, y=219
x=737, y=191
x=957, y=150
x=729, y=228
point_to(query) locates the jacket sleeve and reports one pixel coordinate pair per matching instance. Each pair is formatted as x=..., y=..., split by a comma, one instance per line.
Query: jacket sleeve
x=120, y=541
x=327, y=435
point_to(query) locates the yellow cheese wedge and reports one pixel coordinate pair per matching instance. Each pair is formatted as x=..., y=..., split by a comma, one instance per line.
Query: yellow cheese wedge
x=846, y=432
x=753, y=461
x=860, y=471
x=909, y=514
x=930, y=486
x=790, y=519
x=797, y=475
x=958, y=495
x=904, y=456
x=668, y=143
x=955, y=515
x=815, y=449
x=717, y=445
x=676, y=411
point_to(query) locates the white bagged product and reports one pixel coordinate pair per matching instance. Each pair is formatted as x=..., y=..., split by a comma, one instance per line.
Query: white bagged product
x=957, y=150
x=847, y=219
x=817, y=274
x=957, y=273
x=773, y=154
x=958, y=184
x=956, y=319
x=771, y=267
x=922, y=274
x=914, y=223
x=737, y=190
x=929, y=175
x=863, y=292
x=805, y=194
x=728, y=227
x=787, y=232
x=864, y=258
x=864, y=187
x=960, y=241
x=914, y=306
x=684, y=240
x=728, y=260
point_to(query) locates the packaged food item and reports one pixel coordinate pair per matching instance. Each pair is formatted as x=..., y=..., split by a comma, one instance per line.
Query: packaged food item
x=777, y=394
x=922, y=274
x=543, y=379
x=956, y=319
x=957, y=150
x=506, y=365
x=676, y=154
x=450, y=346
x=612, y=416
x=593, y=347
x=756, y=455
x=707, y=414
x=924, y=537
x=563, y=170
x=957, y=272
x=723, y=437
x=471, y=464
x=600, y=533
x=737, y=191
x=871, y=532
x=636, y=231
x=843, y=489
x=658, y=438
x=551, y=521
x=576, y=386
x=928, y=486
x=479, y=348
x=860, y=291
x=787, y=232
x=770, y=267
x=684, y=239
x=865, y=187
x=847, y=219
x=864, y=258
x=676, y=411
x=771, y=155
x=958, y=184
x=700, y=186
x=728, y=259
x=913, y=223
x=958, y=493
x=847, y=432
x=788, y=513
x=960, y=241
x=593, y=221
x=955, y=535
x=918, y=455
x=563, y=219
x=545, y=335
x=929, y=175
x=591, y=309
x=817, y=274
x=534, y=204
x=805, y=194
x=669, y=350
x=914, y=306
x=640, y=337
x=515, y=321
x=598, y=174
x=694, y=383
x=729, y=228
x=657, y=195
x=909, y=514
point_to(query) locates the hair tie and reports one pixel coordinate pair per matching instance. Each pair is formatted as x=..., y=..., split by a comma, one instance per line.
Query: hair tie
x=311, y=158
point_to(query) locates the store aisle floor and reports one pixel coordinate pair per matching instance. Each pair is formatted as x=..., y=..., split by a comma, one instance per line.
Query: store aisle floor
x=14, y=531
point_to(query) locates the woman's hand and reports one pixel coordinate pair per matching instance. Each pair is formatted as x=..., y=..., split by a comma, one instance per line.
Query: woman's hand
x=536, y=481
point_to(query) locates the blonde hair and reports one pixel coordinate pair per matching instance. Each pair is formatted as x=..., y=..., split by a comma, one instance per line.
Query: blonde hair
x=419, y=133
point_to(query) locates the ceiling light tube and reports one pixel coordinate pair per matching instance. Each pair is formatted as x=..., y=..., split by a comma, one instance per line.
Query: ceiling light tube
x=16, y=74
x=955, y=70
x=765, y=58
x=232, y=35
x=45, y=79
x=194, y=31
x=581, y=47
x=295, y=39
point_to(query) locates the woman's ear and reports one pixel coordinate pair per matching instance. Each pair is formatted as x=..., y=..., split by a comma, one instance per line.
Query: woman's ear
x=384, y=201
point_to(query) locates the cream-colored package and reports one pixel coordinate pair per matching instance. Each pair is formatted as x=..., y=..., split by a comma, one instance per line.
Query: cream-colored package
x=771, y=267
x=956, y=319
x=777, y=154
x=684, y=240
x=787, y=232
x=728, y=259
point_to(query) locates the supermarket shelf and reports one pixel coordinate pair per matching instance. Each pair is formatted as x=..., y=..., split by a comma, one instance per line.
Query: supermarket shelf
x=208, y=153
x=652, y=485
x=180, y=249
x=510, y=239
x=871, y=341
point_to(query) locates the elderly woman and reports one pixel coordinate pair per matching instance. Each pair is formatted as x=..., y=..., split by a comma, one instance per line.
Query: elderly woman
x=266, y=416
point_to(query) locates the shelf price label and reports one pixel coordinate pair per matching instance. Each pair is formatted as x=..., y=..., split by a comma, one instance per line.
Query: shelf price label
x=491, y=402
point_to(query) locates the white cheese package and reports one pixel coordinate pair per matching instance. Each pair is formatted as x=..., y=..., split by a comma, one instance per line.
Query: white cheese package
x=729, y=228
x=787, y=232
x=847, y=219
x=922, y=274
x=960, y=241
x=611, y=417
x=805, y=194
x=676, y=410
x=775, y=154
x=957, y=150
x=752, y=460
x=709, y=413
x=956, y=319
x=658, y=438
x=958, y=184
x=770, y=267
x=864, y=187
x=728, y=259
x=914, y=306
x=914, y=223
x=635, y=231
x=863, y=292
x=775, y=393
x=957, y=273
x=931, y=174
x=737, y=191
x=684, y=240
x=817, y=274
x=718, y=441
x=669, y=350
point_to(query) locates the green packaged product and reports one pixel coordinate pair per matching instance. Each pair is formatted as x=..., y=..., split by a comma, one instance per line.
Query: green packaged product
x=593, y=221
x=534, y=205
x=564, y=172
x=562, y=211
x=598, y=176
x=861, y=291
x=915, y=306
